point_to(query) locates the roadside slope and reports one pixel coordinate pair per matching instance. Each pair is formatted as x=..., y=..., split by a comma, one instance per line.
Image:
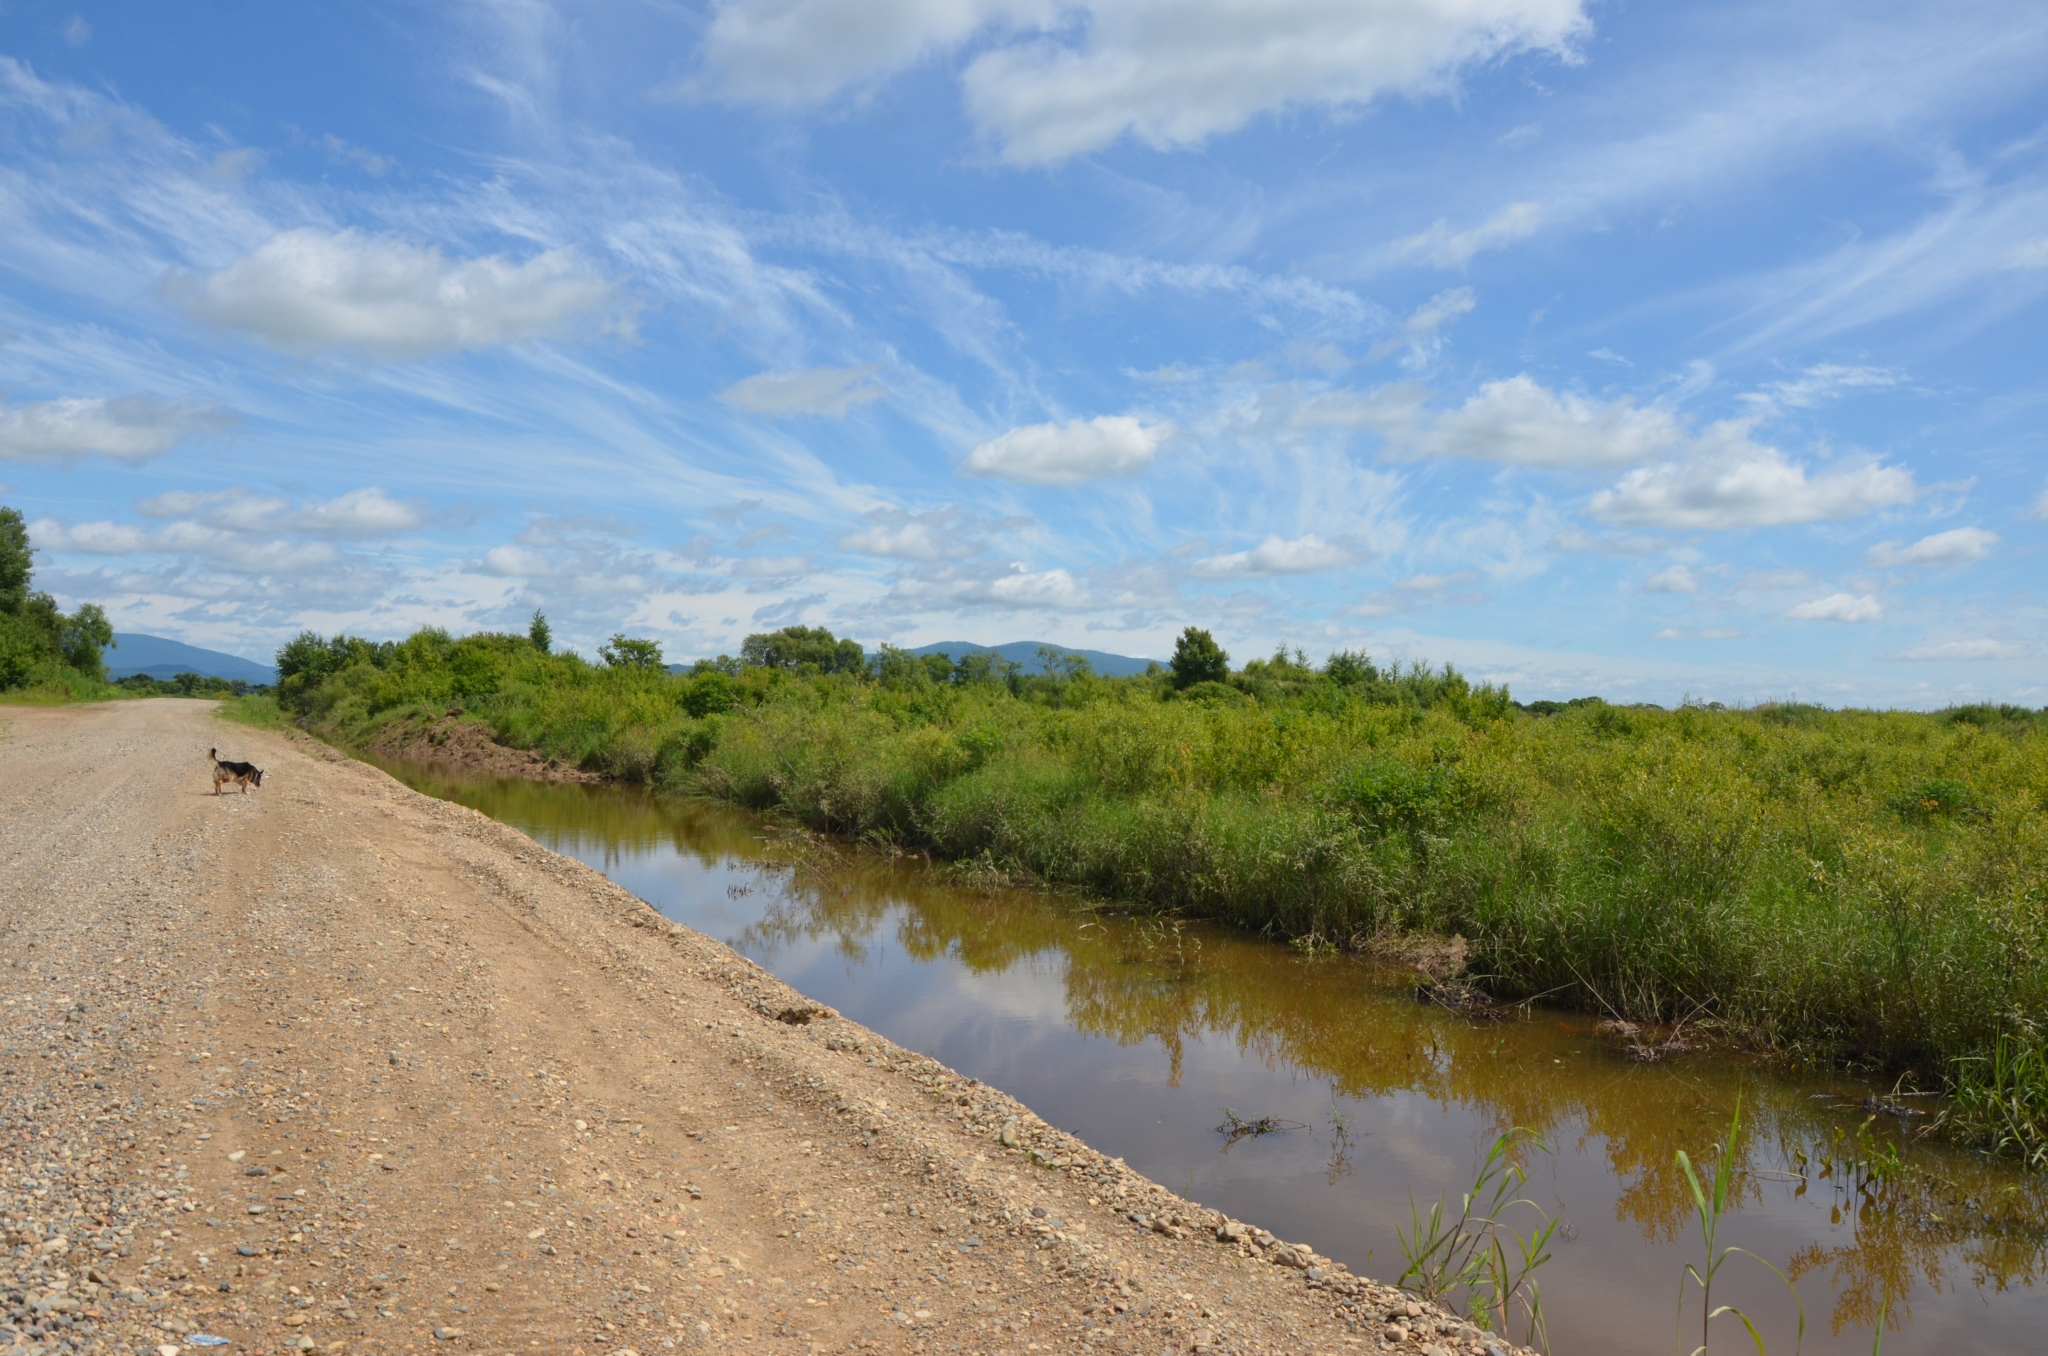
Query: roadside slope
x=340, y=1065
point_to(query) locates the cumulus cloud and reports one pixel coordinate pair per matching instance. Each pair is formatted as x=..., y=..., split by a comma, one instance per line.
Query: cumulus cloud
x=1515, y=420
x=828, y=391
x=1065, y=79
x=1839, y=607
x=1446, y=248
x=1070, y=453
x=1742, y=484
x=309, y=290
x=131, y=429
x=359, y=514
x=1275, y=555
x=1960, y=650
x=1677, y=579
x=1958, y=546
x=235, y=550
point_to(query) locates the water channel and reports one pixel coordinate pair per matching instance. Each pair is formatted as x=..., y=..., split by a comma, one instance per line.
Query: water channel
x=1137, y=1036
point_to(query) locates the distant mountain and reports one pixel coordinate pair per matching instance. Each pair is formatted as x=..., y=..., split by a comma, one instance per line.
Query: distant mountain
x=1025, y=653
x=161, y=657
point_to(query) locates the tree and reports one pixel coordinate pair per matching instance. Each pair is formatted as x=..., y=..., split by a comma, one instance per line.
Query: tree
x=540, y=633
x=34, y=635
x=794, y=646
x=626, y=652
x=16, y=561
x=1197, y=658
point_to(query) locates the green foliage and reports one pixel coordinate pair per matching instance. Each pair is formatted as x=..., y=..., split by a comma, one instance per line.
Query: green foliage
x=17, y=562
x=2000, y=1100
x=259, y=709
x=1479, y=1262
x=1775, y=875
x=40, y=647
x=182, y=685
x=625, y=652
x=1712, y=1203
x=803, y=648
x=540, y=633
x=1197, y=658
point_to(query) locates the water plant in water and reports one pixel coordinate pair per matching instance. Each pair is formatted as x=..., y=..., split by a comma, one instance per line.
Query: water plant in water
x=2000, y=1101
x=1711, y=1201
x=1478, y=1263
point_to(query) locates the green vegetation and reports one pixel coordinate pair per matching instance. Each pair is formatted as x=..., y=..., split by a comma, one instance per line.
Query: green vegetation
x=1859, y=885
x=44, y=654
x=1466, y=1263
x=259, y=709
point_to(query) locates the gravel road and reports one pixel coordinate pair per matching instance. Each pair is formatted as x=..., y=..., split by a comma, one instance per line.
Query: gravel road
x=335, y=1066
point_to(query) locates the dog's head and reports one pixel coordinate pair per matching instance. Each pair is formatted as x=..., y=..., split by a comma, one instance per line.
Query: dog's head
x=256, y=777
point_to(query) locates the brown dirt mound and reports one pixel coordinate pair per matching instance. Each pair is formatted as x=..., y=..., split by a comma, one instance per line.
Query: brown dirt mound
x=453, y=741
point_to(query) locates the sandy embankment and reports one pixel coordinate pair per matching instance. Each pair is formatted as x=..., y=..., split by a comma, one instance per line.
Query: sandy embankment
x=341, y=1067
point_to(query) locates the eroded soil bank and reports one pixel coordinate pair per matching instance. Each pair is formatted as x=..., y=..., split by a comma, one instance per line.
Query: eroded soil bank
x=339, y=1066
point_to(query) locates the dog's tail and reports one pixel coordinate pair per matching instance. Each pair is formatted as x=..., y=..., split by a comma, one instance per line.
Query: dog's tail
x=213, y=755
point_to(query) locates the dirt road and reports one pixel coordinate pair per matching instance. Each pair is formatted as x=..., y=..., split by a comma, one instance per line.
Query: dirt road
x=335, y=1066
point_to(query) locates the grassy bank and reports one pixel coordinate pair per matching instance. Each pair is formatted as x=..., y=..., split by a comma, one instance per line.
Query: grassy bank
x=1863, y=885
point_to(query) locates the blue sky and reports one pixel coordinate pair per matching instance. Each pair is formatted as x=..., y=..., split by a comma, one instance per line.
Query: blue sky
x=1642, y=349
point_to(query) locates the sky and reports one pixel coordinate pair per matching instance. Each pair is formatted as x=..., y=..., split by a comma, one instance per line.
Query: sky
x=1654, y=351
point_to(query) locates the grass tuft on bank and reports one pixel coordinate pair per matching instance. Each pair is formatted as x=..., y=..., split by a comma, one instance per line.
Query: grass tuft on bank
x=1858, y=885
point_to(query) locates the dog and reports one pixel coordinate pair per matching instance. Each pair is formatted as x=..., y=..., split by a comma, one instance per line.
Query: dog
x=245, y=775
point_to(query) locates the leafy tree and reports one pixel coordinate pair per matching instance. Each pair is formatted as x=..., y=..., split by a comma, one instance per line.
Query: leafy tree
x=627, y=652
x=540, y=633
x=83, y=639
x=794, y=646
x=34, y=635
x=1351, y=668
x=16, y=562
x=1197, y=658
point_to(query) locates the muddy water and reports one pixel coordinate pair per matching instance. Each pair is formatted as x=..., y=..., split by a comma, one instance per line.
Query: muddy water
x=1138, y=1036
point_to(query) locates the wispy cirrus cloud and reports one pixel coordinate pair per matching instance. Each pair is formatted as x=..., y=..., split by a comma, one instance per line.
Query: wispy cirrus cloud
x=827, y=391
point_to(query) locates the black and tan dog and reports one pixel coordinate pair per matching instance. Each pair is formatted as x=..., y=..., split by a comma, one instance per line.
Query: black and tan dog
x=244, y=775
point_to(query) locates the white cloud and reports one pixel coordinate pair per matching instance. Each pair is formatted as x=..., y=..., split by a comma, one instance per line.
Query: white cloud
x=131, y=429
x=1445, y=248
x=1066, y=79
x=2032, y=254
x=1677, y=579
x=951, y=532
x=1422, y=328
x=1514, y=420
x=1275, y=555
x=829, y=391
x=1070, y=453
x=772, y=567
x=363, y=513
x=1742, y=484
x=1960, y=650
x=1839, y=607
x=1822, y=382
x=1958, y=546
x=307, y=290
x=238, y=551
x=77, y=32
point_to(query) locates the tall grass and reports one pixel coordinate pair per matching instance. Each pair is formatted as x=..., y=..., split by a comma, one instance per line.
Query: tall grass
x=1865, y=885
